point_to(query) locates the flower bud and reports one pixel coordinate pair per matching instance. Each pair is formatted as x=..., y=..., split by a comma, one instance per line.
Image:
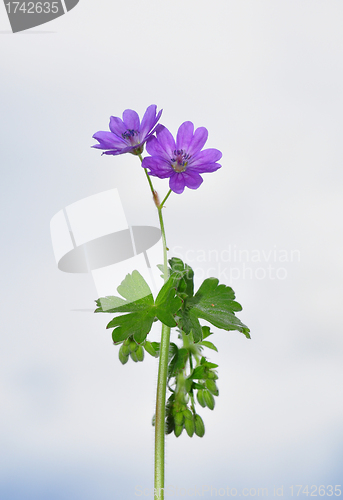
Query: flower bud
x=123, y=358
x=199, y=426
x=187, y=414
x=212, y=375
x=169, y=424
x=200, y=398
x=212, y=387
x=140, y=353
x=180, y=406
x=190, y=427
x=178, y=429
x=179, y=418
x=125, y=349
x=134, y=356
x=133, y=346
x=149, y=348
x=209, y=399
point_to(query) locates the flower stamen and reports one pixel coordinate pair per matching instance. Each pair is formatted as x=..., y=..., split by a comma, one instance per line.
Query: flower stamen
x=179, y=161
x=129, y=135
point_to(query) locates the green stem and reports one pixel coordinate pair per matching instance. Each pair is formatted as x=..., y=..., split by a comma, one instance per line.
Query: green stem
x=147, y=175
x=165, y=248
x=161, y=386
x=160, y=414
x=165, y=199
x=162, y=371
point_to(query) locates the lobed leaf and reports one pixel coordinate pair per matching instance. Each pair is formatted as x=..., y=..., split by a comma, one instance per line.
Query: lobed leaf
x=141, y=307
x=134, y=289
x=214, y=303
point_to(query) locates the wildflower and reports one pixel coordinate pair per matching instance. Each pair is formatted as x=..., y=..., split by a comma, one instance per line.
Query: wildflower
x=182, y=161
x=128, y=135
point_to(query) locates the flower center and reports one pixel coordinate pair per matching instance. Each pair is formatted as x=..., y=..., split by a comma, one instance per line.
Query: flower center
x=179, y=161
x=130, y=135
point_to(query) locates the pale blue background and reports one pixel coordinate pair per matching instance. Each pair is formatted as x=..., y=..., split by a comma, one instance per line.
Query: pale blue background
x=265, y=77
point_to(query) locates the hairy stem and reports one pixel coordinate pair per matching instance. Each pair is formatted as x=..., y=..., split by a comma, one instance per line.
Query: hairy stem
x=161, y=386
x=162, y=371
x=160, y=414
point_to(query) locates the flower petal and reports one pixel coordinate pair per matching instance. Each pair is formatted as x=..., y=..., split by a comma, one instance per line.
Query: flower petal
x=198, y=141
x=207, y=156
x=117, y=126
x=149, y=120
x=131, y=120
x=154, y=148
x=202, y=169
x=184, y=136
x=177, y=182
x=192, y=179
x=166, y=140
x=157, y=166
x=108, y=140
x=120, y=151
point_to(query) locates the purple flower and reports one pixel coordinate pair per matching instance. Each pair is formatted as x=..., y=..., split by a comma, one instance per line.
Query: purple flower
x=128, y=135
x=182, y=161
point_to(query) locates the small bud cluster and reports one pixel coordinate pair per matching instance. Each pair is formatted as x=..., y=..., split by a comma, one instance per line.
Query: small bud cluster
x=179, y=416
x=131, y=349
x=184, y=381
x=205, y=396
x=180, y=408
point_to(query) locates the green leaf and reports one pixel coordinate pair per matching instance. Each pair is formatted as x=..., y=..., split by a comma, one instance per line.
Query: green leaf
x=161, y=268
x=190, y=323
x=173, y=349
x=215, y=304
x=195, y=385
x=188, y=385
x=156, y=346
x=141, y=307
x=166, y=296
x=134, y=289
x=137, y=324
x=206, y=332
x=198, y=373
x=187, y=275
x=178, y=362
x=208, y=344
x=176, y=265
x=109, y=304
x=207, y=364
